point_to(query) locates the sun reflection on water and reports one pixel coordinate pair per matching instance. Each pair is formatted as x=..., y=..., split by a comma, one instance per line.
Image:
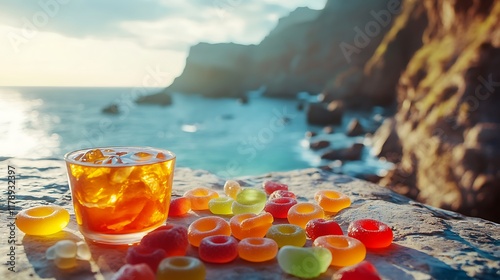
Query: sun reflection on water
x=24, y=132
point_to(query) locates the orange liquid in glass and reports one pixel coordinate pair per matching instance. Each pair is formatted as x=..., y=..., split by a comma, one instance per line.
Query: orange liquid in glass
x=120, y=190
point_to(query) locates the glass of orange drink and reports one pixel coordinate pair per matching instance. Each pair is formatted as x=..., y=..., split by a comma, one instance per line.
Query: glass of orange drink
x=120, y=193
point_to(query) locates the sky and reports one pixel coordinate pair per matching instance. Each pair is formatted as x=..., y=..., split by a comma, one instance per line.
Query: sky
x=116, y=43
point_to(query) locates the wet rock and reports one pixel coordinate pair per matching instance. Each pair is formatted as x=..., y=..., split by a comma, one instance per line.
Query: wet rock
x=385, y=141
x=112, y=109
x=328, y=129
x=354, y=128
x=353, y=152
x=310, y=134
x=160, y=98
x=318, y=145
x=322, y=114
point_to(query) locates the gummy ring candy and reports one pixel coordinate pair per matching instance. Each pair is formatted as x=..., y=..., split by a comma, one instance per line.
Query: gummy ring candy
x=147, y=255
x=232, y=188
x=282, y=193
x=307, y=262
x=238, y=208
x=249, y=200
x=42, y=220
x=221, y=205
x=207, y=226
x=374, y=234
x=362, y=270
x=345, y=250
x=200, y=197
x=303, y=212
x=332, y=201
x=134, y=271
x=319, y=227
x=270, y=187
x=287, y=234
x=179, y=206
x=181, y=268
x=257, y=249
x=250, y=225
x=218, y=249
x=279, y=207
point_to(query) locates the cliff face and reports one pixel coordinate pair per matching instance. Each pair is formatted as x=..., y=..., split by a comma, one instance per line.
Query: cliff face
x=448, y=120
x=303, y=53
x=215, y=70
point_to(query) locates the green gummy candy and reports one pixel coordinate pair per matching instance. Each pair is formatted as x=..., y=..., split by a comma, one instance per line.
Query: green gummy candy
x=303, y=262
x=250, y=196
x=221, y=205
x=239, y=208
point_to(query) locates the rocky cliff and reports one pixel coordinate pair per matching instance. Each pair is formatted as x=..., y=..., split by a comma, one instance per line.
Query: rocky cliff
x=448, y=121
x=303, y=53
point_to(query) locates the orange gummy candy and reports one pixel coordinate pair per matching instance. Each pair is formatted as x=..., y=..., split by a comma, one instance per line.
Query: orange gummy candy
x=200, y=197
x=345, y=250
x=332, y=201
x=300, y=214
x=250, y=225
x=207, y=226
x=257, y=249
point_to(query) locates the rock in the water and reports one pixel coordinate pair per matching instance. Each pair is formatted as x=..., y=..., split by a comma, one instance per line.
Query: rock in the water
x=353, y=152
x=429, y=243
x=328, y=129
x=161, y=98
x=354, y=128
x=321, y=144
x=386, y=141
x=112, y=109
x=321, y=114
x=310, y=134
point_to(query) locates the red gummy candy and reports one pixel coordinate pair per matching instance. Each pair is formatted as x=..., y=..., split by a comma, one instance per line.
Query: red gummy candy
x=282, y=193
x=179, y=206
x=270, y=187
x=218, y=249
x=279, y=207
x=363, y=270
x=320, y=227
x=145, y=255
x=173, y=239
x=374, y=234
x=134, y=272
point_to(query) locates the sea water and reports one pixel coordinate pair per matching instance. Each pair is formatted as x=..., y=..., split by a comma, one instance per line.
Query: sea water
x=223, y=136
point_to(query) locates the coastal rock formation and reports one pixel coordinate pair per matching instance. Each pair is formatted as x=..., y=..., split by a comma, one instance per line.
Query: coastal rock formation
x=160, y=98
x=429, y=243
x=305, y=50
x=448, y=121
x=215, y=70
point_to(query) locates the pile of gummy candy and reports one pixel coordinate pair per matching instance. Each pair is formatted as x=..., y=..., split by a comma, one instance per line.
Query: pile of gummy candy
x=249, y=234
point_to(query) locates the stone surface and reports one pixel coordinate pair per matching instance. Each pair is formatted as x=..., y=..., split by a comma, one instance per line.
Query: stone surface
x=429, y=243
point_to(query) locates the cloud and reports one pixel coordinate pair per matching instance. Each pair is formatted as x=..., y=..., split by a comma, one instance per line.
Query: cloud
x=153, y=23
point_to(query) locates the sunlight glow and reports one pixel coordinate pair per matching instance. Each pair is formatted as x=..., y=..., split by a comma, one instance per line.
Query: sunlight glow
x=23, y=134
